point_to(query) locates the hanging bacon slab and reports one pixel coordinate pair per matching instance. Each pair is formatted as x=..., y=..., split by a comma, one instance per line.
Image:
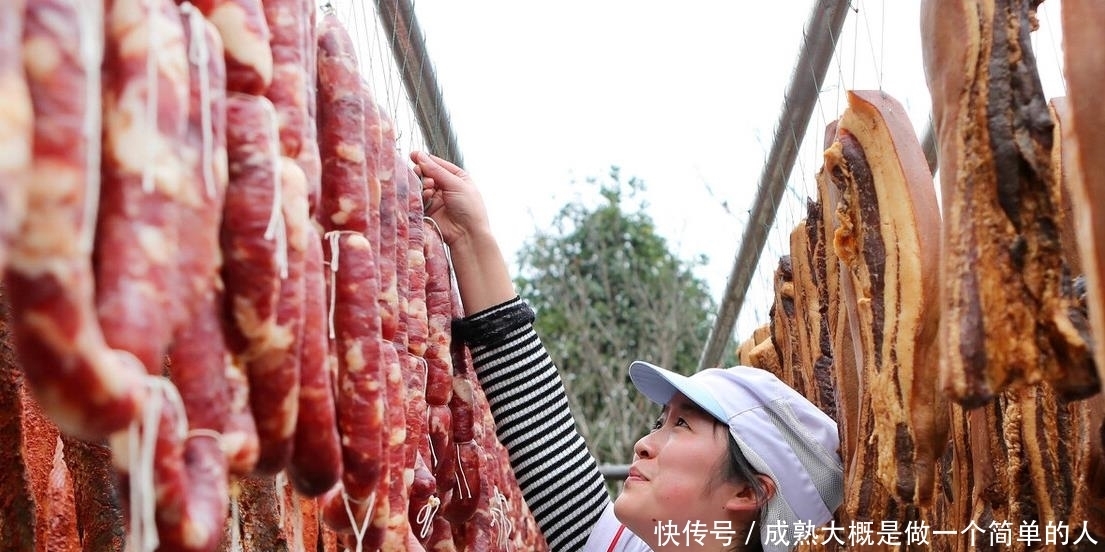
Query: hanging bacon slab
x=1007, y=320
x=15, y=126
x=887, y=242
x=811, y=301
x=845, y=364
x=784, y=328
x=1084, y=70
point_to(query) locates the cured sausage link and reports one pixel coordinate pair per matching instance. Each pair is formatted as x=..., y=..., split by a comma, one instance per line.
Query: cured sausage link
x=288, y=90
x=198, y=353
x=361, y=358
x=417, y=317
x=16, y=125
x=245, y=32
x=252, y=227
x=308, y=158
x=274, y=374
x=356, y=341
x=341, y=125
x=211, y=381
x=145, y=110
x=177, y=478
x=316, y=454
x=439, y=378
x=87, y=389
x=389, y=232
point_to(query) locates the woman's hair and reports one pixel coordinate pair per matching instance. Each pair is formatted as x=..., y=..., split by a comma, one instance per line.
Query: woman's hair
x=736, y=469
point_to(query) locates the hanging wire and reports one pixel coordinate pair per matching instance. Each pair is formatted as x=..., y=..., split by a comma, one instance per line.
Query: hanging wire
x=882, y=45
x=871, y=46
x=855, y=45
x=826, y=18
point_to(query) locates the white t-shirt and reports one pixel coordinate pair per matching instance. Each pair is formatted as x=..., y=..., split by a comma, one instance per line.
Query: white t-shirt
x=609, y=535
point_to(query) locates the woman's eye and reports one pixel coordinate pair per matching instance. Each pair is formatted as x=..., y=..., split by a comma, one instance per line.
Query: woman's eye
x=657, y=424
x=682, y=422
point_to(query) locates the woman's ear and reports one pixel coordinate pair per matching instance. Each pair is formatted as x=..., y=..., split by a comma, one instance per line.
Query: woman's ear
x=745, y=498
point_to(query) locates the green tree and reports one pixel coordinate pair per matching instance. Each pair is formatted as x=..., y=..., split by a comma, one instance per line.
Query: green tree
x=607, y=291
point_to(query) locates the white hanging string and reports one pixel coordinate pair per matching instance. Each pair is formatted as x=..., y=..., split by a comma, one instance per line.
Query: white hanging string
x=359, y=529
x=91, y=29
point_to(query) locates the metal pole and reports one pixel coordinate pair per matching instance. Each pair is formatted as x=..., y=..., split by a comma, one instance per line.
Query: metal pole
x=822, y=29
x=408, y=45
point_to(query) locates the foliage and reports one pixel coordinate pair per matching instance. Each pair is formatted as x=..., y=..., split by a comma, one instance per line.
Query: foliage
x=608, y=291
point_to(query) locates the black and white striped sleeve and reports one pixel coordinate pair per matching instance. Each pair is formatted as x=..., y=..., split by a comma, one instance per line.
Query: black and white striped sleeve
x=558, y=475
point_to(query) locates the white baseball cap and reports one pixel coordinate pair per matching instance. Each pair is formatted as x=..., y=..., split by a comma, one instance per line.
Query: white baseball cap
x=781, y=433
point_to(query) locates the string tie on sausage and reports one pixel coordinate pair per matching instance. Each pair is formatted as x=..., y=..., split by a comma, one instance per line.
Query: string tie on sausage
x=141, y=447
x=199, y=55
x=334, y=237
x=92, y=51
x=425, y=516
x=500, y=519
x=462, y=479
x=359, y=530
x=433, y=453
x=209, y=433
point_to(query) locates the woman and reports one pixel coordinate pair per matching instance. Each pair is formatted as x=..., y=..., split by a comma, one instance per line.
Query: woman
x=736, y=461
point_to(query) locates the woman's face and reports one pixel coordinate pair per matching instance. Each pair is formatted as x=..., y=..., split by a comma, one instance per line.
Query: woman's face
x=674, y=477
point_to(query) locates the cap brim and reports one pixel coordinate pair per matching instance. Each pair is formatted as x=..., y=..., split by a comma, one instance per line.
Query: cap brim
x=660, y=385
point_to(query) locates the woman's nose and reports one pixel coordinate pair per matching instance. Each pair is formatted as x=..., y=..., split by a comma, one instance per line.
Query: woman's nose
x=643, y=447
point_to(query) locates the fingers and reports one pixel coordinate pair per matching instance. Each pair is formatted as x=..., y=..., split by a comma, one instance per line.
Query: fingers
x=428, y=192
x=428, y=165
x=448, y=165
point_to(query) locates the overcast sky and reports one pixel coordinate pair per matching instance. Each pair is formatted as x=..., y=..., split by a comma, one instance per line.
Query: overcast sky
x=684, y=96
